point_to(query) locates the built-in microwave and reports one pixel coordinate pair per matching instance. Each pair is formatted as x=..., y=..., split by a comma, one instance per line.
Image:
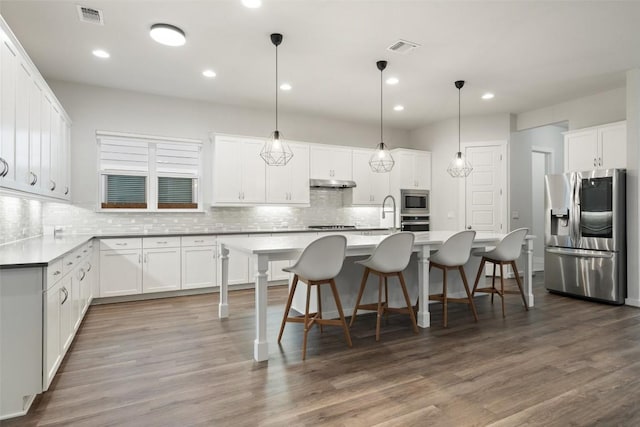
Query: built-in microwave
x=414, y=202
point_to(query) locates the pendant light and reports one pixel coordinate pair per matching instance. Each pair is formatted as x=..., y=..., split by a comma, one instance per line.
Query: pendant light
x=459, y=166
x=275, y=151
x=381, y=160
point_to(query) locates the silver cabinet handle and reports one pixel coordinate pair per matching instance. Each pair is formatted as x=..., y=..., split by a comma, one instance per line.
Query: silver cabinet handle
x=78, y=256
x=70, y=263
x=52, y=185
x=84, y=273
x=198, y=241
x=599, y=161
x=4, y=167
x=56, y=273
x=139, y=259
x=34, y=178
x=66, y=295
x=66, y=191
x=146, y=257
x=162, y=243
x=121, y=244
x=88, y=266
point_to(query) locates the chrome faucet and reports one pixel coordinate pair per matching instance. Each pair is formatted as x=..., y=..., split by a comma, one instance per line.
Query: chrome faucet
x=384, y=202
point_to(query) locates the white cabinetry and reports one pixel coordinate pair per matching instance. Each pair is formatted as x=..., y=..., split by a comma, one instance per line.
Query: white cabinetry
x=412, y=170
x=161, y=264
x=371, y=187
x=120, y=267
x=238, y=171
x=599, y=147
x=289, y=184
x=199, y=262
x=330, y=162
x=35, y=130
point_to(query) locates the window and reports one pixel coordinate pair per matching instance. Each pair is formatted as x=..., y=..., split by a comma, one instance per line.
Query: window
x=149, y=173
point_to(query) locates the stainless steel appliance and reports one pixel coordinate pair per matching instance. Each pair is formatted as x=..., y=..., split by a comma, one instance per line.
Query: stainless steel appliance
x=414, y=202
x=414, y=223
x=585, y=234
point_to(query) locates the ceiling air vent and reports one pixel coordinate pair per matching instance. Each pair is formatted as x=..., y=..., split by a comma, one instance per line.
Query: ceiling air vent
x=403, y=46
x=90, y=15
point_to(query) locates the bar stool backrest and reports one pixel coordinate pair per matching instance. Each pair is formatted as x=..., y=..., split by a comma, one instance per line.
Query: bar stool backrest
x=322, y=259
x=456, y=250
x=393, y=253
x=510, y=247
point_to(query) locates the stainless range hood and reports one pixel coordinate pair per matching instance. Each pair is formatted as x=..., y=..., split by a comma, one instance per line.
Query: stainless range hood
x=331, y=183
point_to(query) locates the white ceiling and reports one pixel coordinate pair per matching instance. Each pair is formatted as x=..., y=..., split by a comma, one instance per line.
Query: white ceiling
x=531, y=54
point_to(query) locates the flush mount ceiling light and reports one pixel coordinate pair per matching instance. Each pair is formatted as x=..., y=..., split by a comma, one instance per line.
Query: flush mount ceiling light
x=168, y=35
x=459, y=166
x=209, y=73
x=393, y=81
x=100, y=53
x=275, y=151
x=285, y=86
x=488, y=95
x=381, y=160
x=398, y=108
x=252, y=4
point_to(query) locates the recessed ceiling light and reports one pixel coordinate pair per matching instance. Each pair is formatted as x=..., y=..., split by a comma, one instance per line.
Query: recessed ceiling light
x=393, y=81
x=101, y=53
x=398, y=108
x=252, y=4
x=488, y=95
x=209, y=73
x=167, y=34
x=285, y=86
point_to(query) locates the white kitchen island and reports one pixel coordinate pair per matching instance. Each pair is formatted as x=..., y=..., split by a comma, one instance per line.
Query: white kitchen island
x=264, y=249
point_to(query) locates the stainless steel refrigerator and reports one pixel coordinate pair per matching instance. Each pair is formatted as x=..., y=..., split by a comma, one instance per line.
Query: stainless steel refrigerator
x=585, y=235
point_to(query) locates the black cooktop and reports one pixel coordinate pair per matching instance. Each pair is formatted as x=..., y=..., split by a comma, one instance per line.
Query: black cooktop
x=333, y=227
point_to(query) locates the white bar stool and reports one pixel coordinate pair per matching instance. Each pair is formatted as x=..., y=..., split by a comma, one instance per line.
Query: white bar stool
x=506, y=252
x=390, y=258
x=319, y=264
x=453, y=255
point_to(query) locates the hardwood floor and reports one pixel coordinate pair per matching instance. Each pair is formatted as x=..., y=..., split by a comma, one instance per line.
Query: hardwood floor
x=171, y=362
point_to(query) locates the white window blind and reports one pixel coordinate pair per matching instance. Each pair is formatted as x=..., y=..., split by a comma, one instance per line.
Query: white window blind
x=124, y=155
x=180, y=158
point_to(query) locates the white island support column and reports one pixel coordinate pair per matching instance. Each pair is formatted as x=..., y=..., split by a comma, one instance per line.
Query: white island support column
x=528, y=271
x=260, y=345
x=424, y=317
x=223, y=307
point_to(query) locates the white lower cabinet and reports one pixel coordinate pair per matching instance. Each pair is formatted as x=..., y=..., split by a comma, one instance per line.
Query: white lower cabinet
x=120, y=272
x=199, y=267
x=161, y=270
x=275, y=270
x=54, y=298
x=66, y=314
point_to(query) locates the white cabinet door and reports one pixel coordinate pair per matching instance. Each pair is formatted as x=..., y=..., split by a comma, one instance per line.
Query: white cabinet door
x=289, y=184
x=362, y=194
x=275, y=270
x=330, y=162
x=8, y=61
x=199, y=267
x=238, y=267
x=86, y=287
x=52, y=342
x=581, y=149
x=613, y=143
x=35, y=126
x=253, y=172
x=45, y=145
x=120, y=272
x=77, y=276
x=66, y=314
x=403, y=170
x=422, y=170
x=379, y=187
x=23, y=86
x=161, y=270
x=56, y=150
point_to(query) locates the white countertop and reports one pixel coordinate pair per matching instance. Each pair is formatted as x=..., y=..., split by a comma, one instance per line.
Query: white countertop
x=39, y=250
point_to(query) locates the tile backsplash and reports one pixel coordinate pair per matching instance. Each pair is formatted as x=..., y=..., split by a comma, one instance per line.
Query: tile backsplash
x=326, y=208
x=20, y=218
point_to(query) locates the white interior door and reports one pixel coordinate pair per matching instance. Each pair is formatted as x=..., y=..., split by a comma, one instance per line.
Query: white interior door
x=485, y=188
x=540, y=166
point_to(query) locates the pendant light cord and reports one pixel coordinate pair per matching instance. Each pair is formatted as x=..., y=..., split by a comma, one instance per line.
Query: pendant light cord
x=381, y=102
x=276, y=87
x=459, y=121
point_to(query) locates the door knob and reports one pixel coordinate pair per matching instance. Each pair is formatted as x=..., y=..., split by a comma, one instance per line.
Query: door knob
x=468, y=227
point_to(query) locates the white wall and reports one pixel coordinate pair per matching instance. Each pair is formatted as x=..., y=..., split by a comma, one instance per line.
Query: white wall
x=633, y=187
x=94, y=108
x=441, y=139
x=603, y=107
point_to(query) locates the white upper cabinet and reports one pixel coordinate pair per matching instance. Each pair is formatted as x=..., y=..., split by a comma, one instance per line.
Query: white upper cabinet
x=371, y=187
x=289, y=184
x=331, y=162
x=412, y=169
x=599, y=147
x=35, y=130
x=238, y=171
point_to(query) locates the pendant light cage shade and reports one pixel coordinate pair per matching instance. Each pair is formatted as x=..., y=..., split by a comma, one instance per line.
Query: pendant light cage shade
x=459, y=167
x=381, y=160
x=276, y=151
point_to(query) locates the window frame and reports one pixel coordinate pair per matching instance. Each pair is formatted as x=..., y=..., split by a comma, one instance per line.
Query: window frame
x=151, y=174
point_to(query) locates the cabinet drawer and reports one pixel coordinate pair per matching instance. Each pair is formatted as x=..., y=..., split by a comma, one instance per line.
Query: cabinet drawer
x=198, y=241
x=71, y=260
x=160, y=242
x=111, y=244
x=54, y=272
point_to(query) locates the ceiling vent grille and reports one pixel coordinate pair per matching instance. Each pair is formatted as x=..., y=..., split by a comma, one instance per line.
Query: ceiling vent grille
x=403, y=46
x=90, y=15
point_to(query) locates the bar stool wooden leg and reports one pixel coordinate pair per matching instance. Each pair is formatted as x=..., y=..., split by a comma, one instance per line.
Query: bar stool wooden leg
x=319, y=314
x=363, y=284
x=493, y=282
x=479, y=275
x=466, y=288
x=406, y=299
x=379, y=313
x=515, y=271
x=339, y=306
x=306, y=323
x=444, y=295
x=386, y=300
x=502, y=288
x=294, y=284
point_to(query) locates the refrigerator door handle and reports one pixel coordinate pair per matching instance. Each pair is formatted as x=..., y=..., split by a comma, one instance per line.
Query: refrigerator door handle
x=575, y=214
x=580, y=253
